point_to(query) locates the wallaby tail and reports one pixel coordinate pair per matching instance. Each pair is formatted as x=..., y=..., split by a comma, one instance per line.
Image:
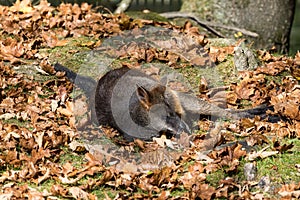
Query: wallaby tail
x=260, y=111
x=69, y=73
x=87, y=84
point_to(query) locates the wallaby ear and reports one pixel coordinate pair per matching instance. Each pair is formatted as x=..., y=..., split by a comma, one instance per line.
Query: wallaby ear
x=160, y=89
x=144, y=96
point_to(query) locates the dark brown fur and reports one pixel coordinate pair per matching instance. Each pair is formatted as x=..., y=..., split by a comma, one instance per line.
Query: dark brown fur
x=149, y=111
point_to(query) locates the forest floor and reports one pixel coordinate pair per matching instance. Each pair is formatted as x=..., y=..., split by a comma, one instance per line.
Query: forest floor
x=49, y=151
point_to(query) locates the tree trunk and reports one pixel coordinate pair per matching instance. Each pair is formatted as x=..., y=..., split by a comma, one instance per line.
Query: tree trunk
x=271, y=19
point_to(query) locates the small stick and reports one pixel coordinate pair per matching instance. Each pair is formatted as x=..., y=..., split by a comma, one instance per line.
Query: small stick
x=206, y=24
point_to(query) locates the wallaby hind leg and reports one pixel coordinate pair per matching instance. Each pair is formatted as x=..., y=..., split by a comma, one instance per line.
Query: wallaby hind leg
x=194, y=105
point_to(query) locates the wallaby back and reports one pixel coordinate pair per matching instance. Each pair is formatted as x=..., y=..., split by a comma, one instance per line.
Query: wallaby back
x=136, y=105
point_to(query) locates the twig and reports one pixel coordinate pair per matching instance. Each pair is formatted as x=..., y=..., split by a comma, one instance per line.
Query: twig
x=171, y=15
x=122, y=7
x=206, y=24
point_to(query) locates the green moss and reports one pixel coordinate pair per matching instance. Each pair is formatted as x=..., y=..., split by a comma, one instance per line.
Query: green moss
x=220, y=42
x=226, y=70
x=214, y=178
x=283, y=165
x=213, y=75
x=73, y=54
x=46, y=185
x=245, y=104
x=19, y=123
x=278, y=78
x=68, y=156
x=103, y=192
x=177, y=193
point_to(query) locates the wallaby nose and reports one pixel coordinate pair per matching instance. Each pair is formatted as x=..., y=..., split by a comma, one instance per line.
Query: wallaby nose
x=180, y=128
x=183, y=127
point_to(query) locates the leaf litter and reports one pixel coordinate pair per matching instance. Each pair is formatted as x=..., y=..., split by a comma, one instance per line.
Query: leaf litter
x=37, y=120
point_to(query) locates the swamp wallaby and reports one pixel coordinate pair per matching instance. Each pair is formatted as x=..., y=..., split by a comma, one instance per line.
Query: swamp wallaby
x=139, y=106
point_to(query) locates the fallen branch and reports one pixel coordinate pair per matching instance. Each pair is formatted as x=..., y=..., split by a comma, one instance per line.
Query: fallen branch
x=122, y=6
x=206, y=24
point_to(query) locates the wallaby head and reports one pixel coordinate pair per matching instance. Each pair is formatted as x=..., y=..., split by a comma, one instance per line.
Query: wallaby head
x=148, y=98
x=137, y=105
x=154, y=109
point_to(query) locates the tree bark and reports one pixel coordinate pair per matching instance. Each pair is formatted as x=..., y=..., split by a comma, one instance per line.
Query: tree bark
x=271, y=19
